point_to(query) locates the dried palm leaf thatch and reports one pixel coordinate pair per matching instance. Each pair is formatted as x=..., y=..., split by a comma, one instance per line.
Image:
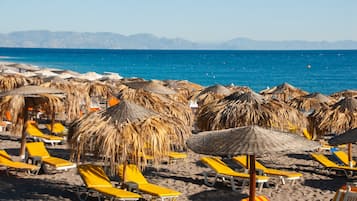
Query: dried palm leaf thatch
x=9, y=82
x=183, y=87
x=77, y=98
x=338, y=118
x=15, y=105
x=250, y=108
x=125, y=132
x=344, y=94
x=34, y=80
x=210, y=94
x=99, y=89
x=283, y=92
x=151, y=86
x=159, y=104
x=311, y=102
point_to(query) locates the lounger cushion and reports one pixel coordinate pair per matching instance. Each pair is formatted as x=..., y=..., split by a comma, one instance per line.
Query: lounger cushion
x=37, y=149
x=5, y=160
x=221, y=168
x=158, y=190
x=132, y=173
x=57, y=162
x=177, y=155
x=116, y=192
x=94, y=176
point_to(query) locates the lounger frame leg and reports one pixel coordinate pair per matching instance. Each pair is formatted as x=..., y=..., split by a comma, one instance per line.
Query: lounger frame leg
x=206, y=179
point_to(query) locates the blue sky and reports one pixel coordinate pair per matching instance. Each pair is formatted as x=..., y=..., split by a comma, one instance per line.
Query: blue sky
x=197, y=20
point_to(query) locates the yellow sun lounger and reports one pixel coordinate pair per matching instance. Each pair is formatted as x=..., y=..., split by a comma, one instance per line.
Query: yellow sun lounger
x=291, y=176
x=330, y=165
x=38, y=150
x=37, y=135
x=220, y=169
x=343, y=157
x=133, y=174
x=97, y=181
x=8, y=163
x=257, y=198
x=58, y=128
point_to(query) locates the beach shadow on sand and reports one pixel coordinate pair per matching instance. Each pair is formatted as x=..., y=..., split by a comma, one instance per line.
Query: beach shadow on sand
x=14, y=187
x=218, y=195
x=331, y=184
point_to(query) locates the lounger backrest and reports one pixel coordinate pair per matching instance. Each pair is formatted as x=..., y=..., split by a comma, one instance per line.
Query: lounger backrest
x=343, y=157
x=37, y=149
x=217, y=165
x=242, y=160
x=3, y=154
x=57, y=127
x=323, y=160
x=33, y=130
x=132, y=173
x=94, y=176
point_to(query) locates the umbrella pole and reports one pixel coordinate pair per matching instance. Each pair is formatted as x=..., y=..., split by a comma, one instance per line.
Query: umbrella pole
x=350, y=154
x=52, y=121
x=252, y=181
x=23, y=136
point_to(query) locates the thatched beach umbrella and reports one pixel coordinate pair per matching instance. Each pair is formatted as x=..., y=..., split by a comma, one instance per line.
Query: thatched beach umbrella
x=125, y=132
x=18, y=101
x=347, y=137
x=283, y=92
x=183, y=87
x=344, y=94
x=77, y=96
x=158, y=103
x=250, y=140
x=210, y=94
x=151, y=86
x=337, y=118
x=311, y=102
x=9, y=82
x=250, y=108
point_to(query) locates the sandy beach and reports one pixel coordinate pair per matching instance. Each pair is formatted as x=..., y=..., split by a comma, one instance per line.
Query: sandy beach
x=184, y=176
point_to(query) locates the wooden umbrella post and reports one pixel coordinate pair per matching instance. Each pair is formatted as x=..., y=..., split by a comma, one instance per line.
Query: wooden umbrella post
x=350, y=154
x=53, y=121
x=23, y=136
x=252, y=178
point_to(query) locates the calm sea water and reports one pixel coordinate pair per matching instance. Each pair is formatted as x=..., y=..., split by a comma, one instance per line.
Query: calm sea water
x=330, y=70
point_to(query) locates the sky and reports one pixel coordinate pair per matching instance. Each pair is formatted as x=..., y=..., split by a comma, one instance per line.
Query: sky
x=195, y=20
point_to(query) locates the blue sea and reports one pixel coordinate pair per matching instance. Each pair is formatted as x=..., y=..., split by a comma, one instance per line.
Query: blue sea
x=324, y=71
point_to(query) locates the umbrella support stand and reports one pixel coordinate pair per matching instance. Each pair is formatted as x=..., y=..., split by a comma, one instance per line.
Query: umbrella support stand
x=252, y=179
x=23, y=136
x=350, y=154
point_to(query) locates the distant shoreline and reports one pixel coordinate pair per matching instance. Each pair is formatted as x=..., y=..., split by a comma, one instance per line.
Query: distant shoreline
x=194, y=50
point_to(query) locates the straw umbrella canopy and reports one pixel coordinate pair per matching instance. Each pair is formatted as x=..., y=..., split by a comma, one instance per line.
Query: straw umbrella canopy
x=151, y=86
x=125, y=132
x=183, y=87
x=249, y=108
x=311, y=102
x=76, y=96
x=9, y=82
x=18, y=101
x=283, y=92
x=343, y=94
x=250, y=140
x=349, y=136
x=158, y=103
x=210, y=94
x=337, y=118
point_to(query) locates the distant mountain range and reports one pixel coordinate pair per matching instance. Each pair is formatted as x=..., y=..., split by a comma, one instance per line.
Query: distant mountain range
x=106, y=40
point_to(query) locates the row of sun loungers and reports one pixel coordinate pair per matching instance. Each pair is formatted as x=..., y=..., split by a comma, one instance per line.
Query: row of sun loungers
x=219, y=169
